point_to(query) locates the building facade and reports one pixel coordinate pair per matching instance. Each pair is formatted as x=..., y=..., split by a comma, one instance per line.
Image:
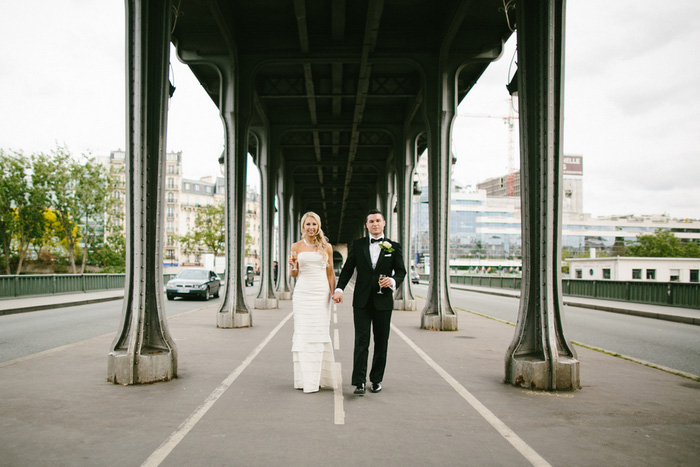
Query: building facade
x=485, y=231
x=636, y=269
x=183, y=198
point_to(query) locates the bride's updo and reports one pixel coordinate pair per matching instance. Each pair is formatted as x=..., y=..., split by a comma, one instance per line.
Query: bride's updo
x=319, y=240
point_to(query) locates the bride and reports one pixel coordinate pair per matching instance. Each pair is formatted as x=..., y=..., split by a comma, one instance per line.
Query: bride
x=311, y=265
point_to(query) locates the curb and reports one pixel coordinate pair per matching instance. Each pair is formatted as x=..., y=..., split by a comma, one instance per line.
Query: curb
x=12, y=311
x=611, y=309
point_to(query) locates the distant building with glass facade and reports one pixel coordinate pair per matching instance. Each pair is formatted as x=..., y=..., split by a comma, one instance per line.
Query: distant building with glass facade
x=485, y=231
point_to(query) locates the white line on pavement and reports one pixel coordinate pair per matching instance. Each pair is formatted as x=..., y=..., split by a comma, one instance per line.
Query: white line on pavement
x=336, y=340
x=338, y=396
x=185, y=427
x=510, y=436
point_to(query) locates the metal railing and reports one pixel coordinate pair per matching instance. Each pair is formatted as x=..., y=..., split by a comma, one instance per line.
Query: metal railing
x=47, y=284
x=680, y=294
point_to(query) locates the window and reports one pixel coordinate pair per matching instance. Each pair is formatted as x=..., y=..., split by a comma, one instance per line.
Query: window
x=651, y=274
x=171, y=183
x=636, y=273
x=196, y=188
x=207, y=189
x=606, y=273
x=187, y=186
x=694, y=275
x=675, y=275
x=171, y=226
x=171, y=197
x=171, y=211
x=579, y=274
x=170, y=239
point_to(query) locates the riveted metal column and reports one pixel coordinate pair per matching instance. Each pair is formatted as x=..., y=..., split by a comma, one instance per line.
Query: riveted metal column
x=234, y=312
x=286, y=219
x=266, y=298
x=440, y=111
x=540, y=356
x=404, y=295
x=143, y=351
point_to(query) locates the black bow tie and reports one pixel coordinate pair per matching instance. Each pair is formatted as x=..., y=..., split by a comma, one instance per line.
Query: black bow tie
x=375, y=240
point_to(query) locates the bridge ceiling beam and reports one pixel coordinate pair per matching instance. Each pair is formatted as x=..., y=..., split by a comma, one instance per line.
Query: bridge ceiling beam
x=331, y=77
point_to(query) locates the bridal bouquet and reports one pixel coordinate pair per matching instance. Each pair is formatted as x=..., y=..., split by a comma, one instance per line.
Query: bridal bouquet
x=386, y=246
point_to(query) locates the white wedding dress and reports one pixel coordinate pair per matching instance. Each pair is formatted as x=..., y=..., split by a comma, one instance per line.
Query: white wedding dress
x=312, y=352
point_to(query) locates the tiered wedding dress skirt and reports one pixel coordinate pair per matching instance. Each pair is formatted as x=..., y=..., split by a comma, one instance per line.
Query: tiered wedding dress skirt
x=312, y=352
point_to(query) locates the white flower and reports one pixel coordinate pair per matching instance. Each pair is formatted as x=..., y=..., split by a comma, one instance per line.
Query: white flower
x=386, y=246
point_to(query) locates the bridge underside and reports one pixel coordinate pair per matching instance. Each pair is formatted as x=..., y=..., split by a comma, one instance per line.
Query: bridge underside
x=335, y=100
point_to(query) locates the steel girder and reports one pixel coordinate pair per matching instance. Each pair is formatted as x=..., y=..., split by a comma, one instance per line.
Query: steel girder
x=540, y=356
x=143, y=351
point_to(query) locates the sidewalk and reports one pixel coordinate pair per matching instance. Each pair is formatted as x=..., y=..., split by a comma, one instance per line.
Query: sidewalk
x=443, y=404
x=47, y=302
x=668, y=313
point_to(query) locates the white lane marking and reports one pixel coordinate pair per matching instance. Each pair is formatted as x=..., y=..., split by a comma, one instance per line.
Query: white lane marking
x=510, y=436
x=336, y=340
x=185, y=427
x=335, y=318
x=338, y=396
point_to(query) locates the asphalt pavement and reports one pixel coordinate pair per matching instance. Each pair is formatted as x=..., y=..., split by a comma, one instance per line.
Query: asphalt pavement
x=443, y=403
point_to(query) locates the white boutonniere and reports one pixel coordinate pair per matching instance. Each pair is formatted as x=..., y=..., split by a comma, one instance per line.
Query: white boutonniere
x=386, y=246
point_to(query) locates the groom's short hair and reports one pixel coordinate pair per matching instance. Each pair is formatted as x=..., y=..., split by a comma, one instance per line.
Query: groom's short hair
x=374, y=211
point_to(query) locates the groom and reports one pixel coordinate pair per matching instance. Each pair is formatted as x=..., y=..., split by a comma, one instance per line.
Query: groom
x=372, y=256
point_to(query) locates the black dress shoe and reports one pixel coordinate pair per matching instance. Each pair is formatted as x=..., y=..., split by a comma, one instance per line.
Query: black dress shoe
x=360, y=389
x=376, y=387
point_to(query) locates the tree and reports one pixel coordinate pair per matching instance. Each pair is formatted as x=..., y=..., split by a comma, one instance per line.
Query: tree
x=208, y=234
x=94, y=186
x=21, y=209
x=663, y=244
x=58, y=175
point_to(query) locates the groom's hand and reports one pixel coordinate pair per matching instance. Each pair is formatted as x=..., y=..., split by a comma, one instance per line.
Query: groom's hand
x=338, y=297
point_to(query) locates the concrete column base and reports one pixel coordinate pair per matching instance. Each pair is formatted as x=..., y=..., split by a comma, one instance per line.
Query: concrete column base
x=284, y=295
x=233, y=320
x=157, y=365
x=406, y=305
x=436, y=322
x=532, y=372
x=266, y=303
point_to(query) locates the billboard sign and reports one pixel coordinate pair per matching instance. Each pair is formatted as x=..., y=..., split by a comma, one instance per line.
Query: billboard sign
x=573, y=165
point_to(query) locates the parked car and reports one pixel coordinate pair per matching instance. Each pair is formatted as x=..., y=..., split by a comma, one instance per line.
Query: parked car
x=414, y=277
x=194, y=282
x=249, y=275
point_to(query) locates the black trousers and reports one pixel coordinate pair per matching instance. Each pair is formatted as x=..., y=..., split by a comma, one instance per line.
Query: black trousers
x=368, y=320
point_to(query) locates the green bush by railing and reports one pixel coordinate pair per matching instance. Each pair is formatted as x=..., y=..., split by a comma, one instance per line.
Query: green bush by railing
x=681, y=294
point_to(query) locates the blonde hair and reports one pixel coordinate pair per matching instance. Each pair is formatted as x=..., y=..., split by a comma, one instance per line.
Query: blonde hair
x=319, y=240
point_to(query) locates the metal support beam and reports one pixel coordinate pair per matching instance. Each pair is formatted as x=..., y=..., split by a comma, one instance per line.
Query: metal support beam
x=234, y=312
x=143, y=351
x=266, y=298
x=440, y=111
x=539, y=356
x=404, y=297
x=286, y=223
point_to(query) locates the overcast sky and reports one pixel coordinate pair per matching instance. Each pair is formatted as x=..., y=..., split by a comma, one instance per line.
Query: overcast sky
x=632, y=100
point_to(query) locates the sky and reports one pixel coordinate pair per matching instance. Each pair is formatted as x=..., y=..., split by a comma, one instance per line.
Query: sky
x=631, y=99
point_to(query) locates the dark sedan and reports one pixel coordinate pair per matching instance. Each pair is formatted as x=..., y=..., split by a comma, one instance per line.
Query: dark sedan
x=195, y=283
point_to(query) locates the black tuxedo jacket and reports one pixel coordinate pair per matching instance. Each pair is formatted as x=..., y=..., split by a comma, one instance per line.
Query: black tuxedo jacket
x=366, y=282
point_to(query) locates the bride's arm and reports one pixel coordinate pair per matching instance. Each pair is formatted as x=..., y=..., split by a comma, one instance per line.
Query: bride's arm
x=330, y=272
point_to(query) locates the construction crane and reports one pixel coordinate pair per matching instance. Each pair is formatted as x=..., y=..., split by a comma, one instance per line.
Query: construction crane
x=510, y=121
